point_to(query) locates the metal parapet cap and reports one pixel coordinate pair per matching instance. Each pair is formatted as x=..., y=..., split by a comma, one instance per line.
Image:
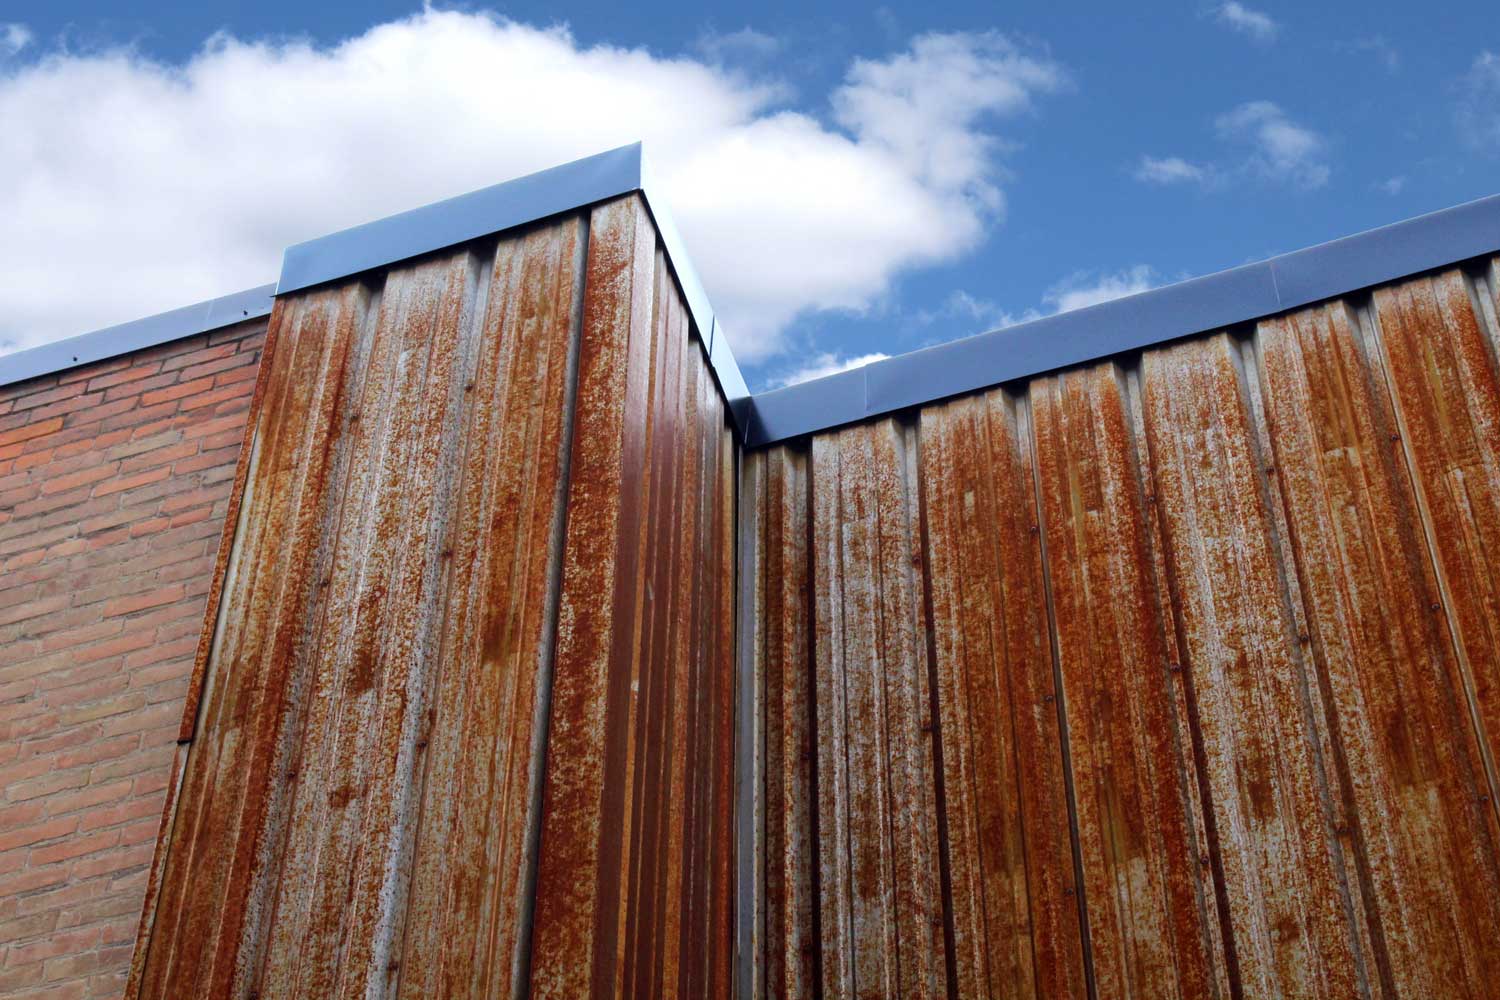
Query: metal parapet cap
x=1199, y=305
x=138, y=334
x=513, y=203
x=1239, y=295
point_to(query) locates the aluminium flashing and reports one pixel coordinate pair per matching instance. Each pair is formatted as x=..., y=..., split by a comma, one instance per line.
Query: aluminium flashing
x=136, y=335
x=1236, y=296
x=507, y=205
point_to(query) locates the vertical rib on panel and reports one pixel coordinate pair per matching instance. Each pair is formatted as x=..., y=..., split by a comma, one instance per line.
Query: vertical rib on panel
x=1405, y=748
x=385, y=437
x=1148, y=899
x=882, y=917
x=470, y=879
x=1288, y=894
x=782, y=636
x=1014, y=915
x=1445, y=378
x=634, y=875
x=360, y=813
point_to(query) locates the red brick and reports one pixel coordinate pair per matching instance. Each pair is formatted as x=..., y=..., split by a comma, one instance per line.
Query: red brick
x=153, y=457
x=88, y=798
x=121, y=376
x=148, y=807
x=177, y=391
x=31, y=431
x=37, y=833
x=83, y=477
x=113, y=487
x=115, y=860
x=49, y=396
x=74, y=847
x=126, y=482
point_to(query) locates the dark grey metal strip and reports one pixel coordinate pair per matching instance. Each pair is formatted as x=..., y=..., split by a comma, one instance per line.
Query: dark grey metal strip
x=458, y=220
x=504, y=206
x=1240, y=295
x=113, y=341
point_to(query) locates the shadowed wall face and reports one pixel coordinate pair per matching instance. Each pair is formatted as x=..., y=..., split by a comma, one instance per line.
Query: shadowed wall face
x=479, y=546
x=1173, y=676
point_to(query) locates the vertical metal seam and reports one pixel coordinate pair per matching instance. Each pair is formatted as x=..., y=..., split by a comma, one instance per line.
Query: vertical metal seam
x=748, y=711
x=1244, y=353
x=815, y=829
x=542, y=710
x=1370, y=317
x=935, y=716
x=1023, y=406
x=1194, y=726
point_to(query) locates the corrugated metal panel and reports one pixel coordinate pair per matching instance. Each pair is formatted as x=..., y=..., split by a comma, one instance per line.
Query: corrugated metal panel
x=1207, y=643
x=634, y=888
x=420, y=494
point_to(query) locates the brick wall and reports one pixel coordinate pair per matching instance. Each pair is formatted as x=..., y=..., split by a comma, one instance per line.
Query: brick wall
x=114, y=480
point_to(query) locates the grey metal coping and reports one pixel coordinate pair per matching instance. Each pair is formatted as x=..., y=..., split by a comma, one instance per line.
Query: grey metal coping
x=113, y=341
x=1239, y=295
x=514, y=203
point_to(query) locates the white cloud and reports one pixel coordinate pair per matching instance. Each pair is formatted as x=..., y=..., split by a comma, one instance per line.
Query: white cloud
x=13, y=38
x=1257, y=24
x=128, y=186
x=1171, y=170
x=826, y=363
x=1281, y=149
x=1391, y=185
x=1479, y=105
x=747, y=43
x=1084, y=289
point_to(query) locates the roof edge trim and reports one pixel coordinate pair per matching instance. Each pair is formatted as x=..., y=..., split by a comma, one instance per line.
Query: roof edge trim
x=1199, y=305
x=136, y=335
x=507, y=205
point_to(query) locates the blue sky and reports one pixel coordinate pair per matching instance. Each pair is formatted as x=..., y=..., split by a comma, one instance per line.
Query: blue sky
x=850, y=183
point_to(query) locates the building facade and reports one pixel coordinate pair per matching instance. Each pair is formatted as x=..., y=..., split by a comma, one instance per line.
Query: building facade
x=450, y=620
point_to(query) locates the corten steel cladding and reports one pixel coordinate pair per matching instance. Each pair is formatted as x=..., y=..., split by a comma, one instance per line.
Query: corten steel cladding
x=481, y=544
x=1176, y=675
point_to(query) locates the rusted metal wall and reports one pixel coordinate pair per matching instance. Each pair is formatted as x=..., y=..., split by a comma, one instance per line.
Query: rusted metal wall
x=480, y=545
x=1176, y=675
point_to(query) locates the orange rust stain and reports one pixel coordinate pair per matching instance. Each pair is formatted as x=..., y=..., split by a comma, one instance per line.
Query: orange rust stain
x=360, y=805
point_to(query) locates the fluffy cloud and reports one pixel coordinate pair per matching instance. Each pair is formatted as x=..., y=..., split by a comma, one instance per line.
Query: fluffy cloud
x=1280, y=148
x=1170, y=170
x=1479, y=103
x=129, y=186
x=13, y=38
x=1273, y=148
x=1257, y=24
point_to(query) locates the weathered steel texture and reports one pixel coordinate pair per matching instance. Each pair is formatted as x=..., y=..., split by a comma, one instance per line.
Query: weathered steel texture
x=1441, y=346
x=1149, y=915
x=881, y=899
x=366, y=738
x=1283, y=868
x=1209, y=640
x=634, y=888
x=1409, y=765
x=1015, y=918
x=784, y=843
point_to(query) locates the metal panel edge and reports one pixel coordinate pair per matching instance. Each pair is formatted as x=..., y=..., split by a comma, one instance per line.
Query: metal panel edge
x=1239, y=295
x=720, y=358
x=136, y=335
x=457, y=220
